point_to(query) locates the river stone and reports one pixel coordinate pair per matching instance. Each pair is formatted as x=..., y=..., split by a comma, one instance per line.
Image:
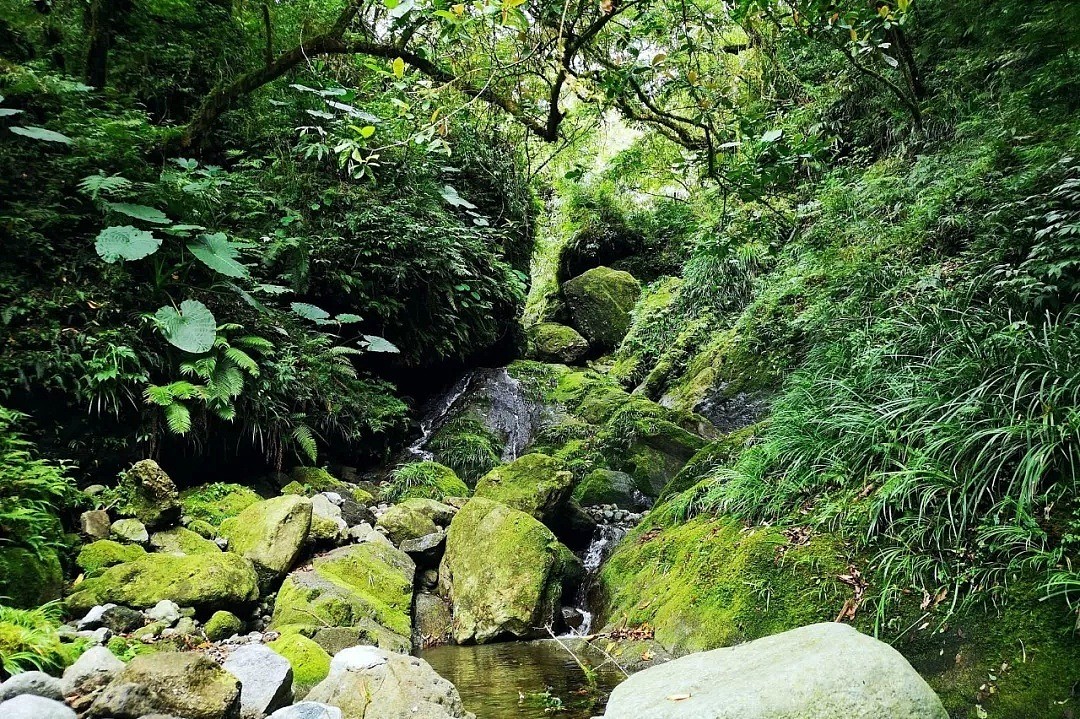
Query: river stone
x=606, y=486
x=426, y=551
x=504, y=572
x=179, y=540
x=371, y=683
x=535, y=484
x=821, y=671
x=121, y=620
x=432, y=621
x=93, y=670
x=95, y=524
x=265, y=679
x=366, y=632
x=222, y=625
x=166, y=611
x=599, y=302
x=130, y=530
x=28, y=706
x=307, y=710
x=38, y=684
x=403, y=522
x=368, y=581
x=203, y=581
x=441, y=513
x=270, y=533
x=181, y=683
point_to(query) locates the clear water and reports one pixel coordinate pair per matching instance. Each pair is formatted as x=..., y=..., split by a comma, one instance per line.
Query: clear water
x=524, y=680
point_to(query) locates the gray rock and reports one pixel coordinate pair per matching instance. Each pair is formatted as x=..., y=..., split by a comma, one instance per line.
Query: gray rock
x=92, y=619
x=265, y=679
x=361, y=532
x=336, y=499
x=28, y=706
x=38, y=684
x=307, y=710
x=822, y=671
x=165, y=611
x=130, y=530
x=377, y=684
x=122, y=620
x=90, y=672
x=427, y=550
x=95, y=524
x=182, y=683
x=101, y=635
x=355, y=513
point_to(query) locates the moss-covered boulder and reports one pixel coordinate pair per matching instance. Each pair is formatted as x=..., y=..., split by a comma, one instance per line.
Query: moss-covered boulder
x=438, y=512
x=175, y=683
x=343, y=588
x=203, y=581
x=29, y=578
x=96, y=557
x=270, y=533
x=423, y=480
x=179, y=540
x=504, y=572
x=404, y=521
x=316, y=479
x=552, y=342
x=222, y=625
x=310, y=662
x=216, y=502
x=606, y=486
x=713, y=583
x=148, y=494
x=535, y=484
x=599, y=302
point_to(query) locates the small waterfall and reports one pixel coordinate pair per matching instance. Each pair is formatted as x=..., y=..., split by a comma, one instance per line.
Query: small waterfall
x=605, y=539
x=437, y=414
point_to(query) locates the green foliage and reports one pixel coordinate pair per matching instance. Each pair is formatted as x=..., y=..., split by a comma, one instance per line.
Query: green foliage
x=467, y=447
x=423, y=480
x=216, y=502
x=32, y=490
x=30, y=639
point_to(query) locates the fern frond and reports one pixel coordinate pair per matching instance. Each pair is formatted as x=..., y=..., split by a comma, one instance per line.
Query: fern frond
x=178, y=418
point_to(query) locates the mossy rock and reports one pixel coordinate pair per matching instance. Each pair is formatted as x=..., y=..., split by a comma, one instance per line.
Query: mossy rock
x=713, y=583
x=222, y=625
x=606, y=486
x=147, y=493
x=535, y=484
x=403, y=522
x=310, y=662
x=28, y=578
x=368, y=581
x=504, y=572
x=203, y=528
x=179, y=540
x=716, y=454
x=424, y=480
x=203, y=581
x=552, y=342
x=271, y=533
x=317, y=480
x=466, y=446
x=363, y=497
x=599, y=302
x=96, y=557
x=214, y=503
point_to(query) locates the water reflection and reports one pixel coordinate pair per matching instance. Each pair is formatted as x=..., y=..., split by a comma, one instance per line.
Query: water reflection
x=524, y=680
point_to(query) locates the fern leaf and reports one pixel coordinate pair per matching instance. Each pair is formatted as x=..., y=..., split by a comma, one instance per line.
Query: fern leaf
x=178, y=418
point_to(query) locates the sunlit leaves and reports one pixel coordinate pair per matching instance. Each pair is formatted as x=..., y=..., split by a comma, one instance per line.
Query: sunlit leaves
x=40, y=133
x=219, y=254
x=192, y=328
x=140, y=212
x=126, y=243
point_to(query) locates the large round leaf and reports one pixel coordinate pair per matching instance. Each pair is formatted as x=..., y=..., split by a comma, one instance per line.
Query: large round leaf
x=192, y=328
x=216, y=252
x=125, y=243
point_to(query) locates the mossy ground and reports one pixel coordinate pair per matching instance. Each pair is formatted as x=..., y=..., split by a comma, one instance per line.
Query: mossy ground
x=214, y=503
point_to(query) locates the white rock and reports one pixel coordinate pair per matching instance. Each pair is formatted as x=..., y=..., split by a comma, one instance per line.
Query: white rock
x=336, y=499
x=265, y=679
x=166, y=611
x=93, y=618
x=307, y=710
x=38, y=684
x=28, y=706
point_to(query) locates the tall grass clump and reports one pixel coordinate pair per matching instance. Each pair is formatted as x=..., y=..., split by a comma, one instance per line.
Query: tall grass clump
x=30, y=639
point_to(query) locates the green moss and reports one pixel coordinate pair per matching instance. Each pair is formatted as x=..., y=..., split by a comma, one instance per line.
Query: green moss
x=96, y=557
x=423, y=480
x=718, y=453
x=127, y=649
x=203, y=581
x=599, y=302
x=310, y=662
x=29, y=578
x=222, y=625
x=535, y=484
x=551, y=342
x=319, y=480
x=271, y=533
x=605, y=486
x=364, y=497
x=403, y=522
x=366, y=581
x=712, y=583
x=214, y=503
x=179, y=540
x=467, y=447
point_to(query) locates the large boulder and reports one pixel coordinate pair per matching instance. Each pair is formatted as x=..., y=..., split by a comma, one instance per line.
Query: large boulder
x=307, y=710
x=371, y=683
x=504, y=572
x=606, y=486
x=203, y=581
x=599, y=302
x=552, y=342
x=270, y=533
x=535, y=484
x=349, y=586
x=96, y=557
x=92, y=671
x=403, y=522
x=821, y=671
x=265, y=679
x=148, y=494
x=183, y=684
x=29, y=579
x=179, y=540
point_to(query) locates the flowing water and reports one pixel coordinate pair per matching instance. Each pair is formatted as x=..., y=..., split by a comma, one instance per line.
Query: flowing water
x=525, y=680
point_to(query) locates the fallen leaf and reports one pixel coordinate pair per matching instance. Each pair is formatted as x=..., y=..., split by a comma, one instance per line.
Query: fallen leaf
x=678, y=697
